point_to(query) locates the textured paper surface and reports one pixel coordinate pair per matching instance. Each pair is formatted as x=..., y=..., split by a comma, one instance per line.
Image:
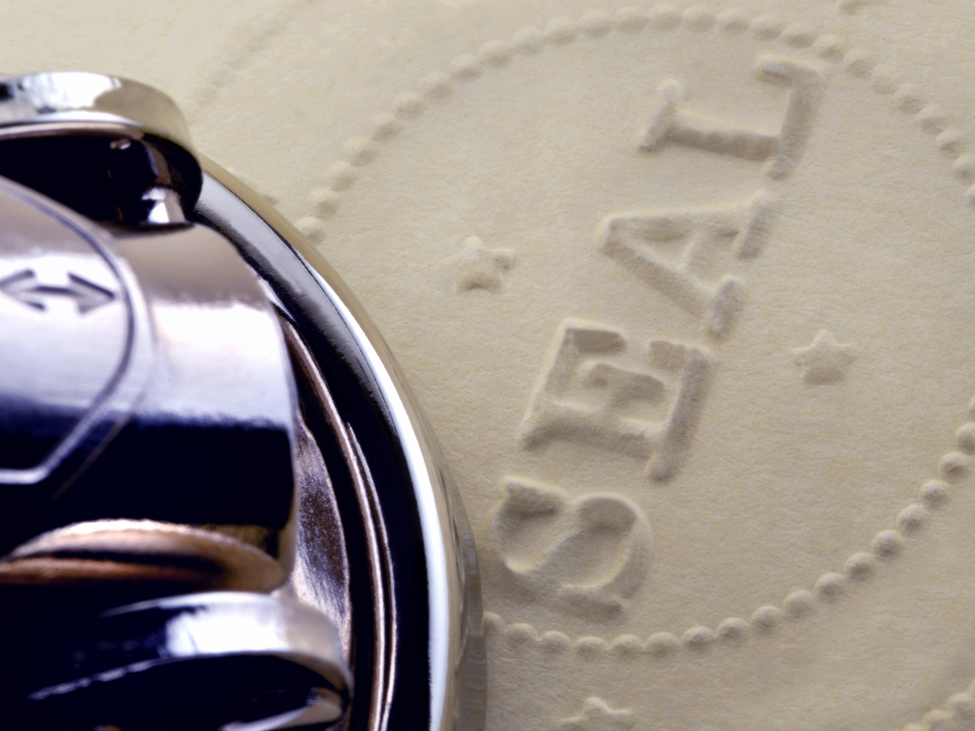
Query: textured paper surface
x=687, y=293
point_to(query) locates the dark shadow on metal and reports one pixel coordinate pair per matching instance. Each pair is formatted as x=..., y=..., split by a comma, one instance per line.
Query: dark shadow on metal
x=417, y=652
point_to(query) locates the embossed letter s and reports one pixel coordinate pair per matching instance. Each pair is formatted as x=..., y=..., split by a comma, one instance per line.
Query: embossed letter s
x=600, y=555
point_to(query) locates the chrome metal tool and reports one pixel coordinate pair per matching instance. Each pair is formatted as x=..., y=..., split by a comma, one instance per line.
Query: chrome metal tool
x=223, y=508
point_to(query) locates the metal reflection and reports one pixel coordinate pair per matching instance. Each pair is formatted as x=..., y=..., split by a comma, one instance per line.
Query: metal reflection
x=224, y=508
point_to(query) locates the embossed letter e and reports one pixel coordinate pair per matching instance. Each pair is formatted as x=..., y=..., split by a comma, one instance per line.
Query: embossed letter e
x=551, y=415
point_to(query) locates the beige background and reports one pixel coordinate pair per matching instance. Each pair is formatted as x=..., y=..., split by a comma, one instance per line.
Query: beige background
x=274, y=90
x=224, y=61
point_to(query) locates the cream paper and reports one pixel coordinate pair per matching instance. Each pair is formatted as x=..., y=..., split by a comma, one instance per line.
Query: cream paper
x=687, y=293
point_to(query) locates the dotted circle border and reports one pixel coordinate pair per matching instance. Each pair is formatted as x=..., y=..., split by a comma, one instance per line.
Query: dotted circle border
x=958, y=712
x=907, y=98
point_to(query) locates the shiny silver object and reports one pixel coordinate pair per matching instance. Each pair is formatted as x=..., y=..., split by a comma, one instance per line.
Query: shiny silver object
x=192, y=662
x=194, y=402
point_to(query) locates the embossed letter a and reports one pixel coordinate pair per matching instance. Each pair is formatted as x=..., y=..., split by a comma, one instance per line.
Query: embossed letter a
x=628, y=237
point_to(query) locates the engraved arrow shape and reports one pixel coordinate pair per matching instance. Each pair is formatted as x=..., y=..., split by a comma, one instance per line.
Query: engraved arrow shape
x=24, y=286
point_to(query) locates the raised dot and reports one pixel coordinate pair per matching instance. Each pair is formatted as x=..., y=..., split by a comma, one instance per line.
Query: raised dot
x=627, y=646
x=965, y=438
x=955, y=466
x=887, y=544
x=596, y=23
x=830, y=586
x=664, y=17
x=435, y=85
x=908, y=99
x=860, y=566
x=529, y=41
x=591, y=646
x=932, y=119
x=361, y=150
x=798, y=35
x=311, y=228
x=384, y=127
x=964, y=168
x=698, y=638
x=409, y=103
x=963, y=706
x=493, y=623
x=829, y=48
x=555, y=641
x=937, y=720
x=934, y=493
x=561, y=30
x=766, y=619
x=465, y=67
x=698, y=19
x=799, y=604
x=732, y=21
x=324, y=202
x=951, y=141
x=859, y=63
x=766, y=28
x=970, y=196
x=912, y=518
x=882, y=81
x=914, y=727
x=497, y=53
x=521, y=633
x=779, y=166
x=631, y=20
x=341, y=176
x=662, y=644
x=733, y=629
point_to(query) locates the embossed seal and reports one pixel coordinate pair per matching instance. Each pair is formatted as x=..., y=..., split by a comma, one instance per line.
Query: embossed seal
x=685, y=295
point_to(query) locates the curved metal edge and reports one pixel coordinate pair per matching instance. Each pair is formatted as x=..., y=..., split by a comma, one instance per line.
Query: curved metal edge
x=80, y=103
x=430, y=544
x=129, y=645
x=64, y=97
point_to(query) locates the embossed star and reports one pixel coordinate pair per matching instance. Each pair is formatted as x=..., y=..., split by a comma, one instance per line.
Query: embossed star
x=481, y=267
x=598, y=716
x=825, y=361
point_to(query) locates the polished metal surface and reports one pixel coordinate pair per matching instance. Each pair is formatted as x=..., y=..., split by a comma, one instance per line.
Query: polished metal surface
x=120, y=550
x=225, y=660
x=415, y=593
x=32, y=101
x=67, y=313
x=113, y=149
x=150, y=446
x=157, y=352
x=192, y=401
